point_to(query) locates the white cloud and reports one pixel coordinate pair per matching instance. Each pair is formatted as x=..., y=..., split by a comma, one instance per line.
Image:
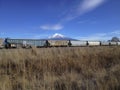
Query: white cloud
x=89, y=5
x=82, y=8
x=116, y=32
x=52, y=27
x=101, y=36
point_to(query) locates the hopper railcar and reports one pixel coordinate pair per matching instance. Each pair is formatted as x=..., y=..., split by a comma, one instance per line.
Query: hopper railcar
x=25, y=43
x=93, y=43
x=58, y=43
x=104, y=43
x=78, y=43
x=113, y=43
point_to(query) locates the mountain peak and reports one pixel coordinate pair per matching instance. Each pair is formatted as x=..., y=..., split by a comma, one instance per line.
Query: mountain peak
x=57, y=35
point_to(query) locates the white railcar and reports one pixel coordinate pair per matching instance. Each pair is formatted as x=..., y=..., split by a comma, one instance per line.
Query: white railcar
x=94, y=43
x=105, y=43
x=79, y=43
x=113, y=43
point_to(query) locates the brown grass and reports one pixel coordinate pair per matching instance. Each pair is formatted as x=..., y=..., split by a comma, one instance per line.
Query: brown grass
x=82, y=68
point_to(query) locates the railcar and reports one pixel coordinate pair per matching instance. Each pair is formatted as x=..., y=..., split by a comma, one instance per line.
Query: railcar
x=26, y=43
x=113, y=43
x=93, y=43
x=58, y=43
x=78, y=43
x=40, y=43
x=105, y=43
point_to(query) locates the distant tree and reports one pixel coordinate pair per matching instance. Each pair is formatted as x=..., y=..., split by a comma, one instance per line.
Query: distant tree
x=115, y=39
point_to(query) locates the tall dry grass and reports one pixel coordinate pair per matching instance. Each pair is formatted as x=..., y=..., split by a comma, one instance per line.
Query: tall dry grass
x=82, y=68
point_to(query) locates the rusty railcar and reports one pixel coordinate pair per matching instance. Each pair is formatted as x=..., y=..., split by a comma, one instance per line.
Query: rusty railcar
x=58, y=43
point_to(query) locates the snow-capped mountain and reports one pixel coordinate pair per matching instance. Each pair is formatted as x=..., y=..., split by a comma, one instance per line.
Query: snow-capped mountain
x=58, y=36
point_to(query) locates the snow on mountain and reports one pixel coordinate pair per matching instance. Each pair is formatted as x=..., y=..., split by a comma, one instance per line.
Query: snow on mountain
x=58, y=36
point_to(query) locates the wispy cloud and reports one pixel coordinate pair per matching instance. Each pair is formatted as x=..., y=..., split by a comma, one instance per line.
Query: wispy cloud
x=116, y=32
x=83, y=7
x=52, y=27
x=101, y=36
x=89, y=5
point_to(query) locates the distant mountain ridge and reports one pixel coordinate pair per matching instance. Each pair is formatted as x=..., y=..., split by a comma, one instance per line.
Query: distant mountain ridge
x=58, y=36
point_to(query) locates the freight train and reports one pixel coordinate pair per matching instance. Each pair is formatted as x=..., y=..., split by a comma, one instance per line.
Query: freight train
x=39, y=43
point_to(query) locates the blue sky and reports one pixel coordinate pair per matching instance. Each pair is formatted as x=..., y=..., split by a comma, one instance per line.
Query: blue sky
x=80, y=19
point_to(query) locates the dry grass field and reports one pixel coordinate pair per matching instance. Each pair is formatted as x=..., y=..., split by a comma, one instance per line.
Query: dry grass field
x=80, y=68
